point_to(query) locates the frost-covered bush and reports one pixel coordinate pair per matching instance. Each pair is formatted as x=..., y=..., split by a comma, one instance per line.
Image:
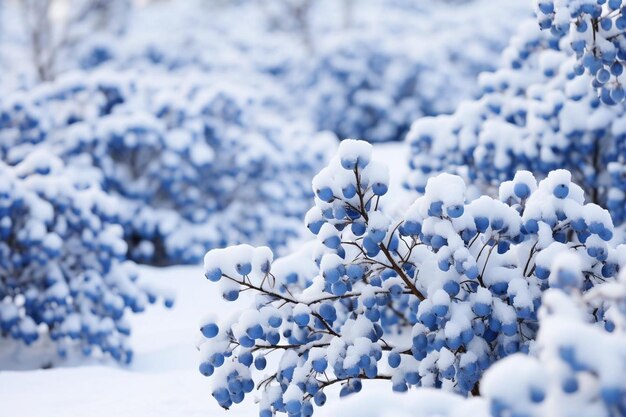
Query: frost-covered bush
x=576, y=366
x=595, y=31
x=429, y=299
x=64, y=275
x=535, y=114
x=196, y=165
x=372, y=85
x=579, y=362
x=366, y=88
x=416, y=58
x=370, y=78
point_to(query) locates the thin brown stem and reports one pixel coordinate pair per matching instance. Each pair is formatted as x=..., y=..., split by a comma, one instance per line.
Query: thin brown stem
x=401, y=273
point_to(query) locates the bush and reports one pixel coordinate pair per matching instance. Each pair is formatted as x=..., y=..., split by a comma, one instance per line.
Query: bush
x=576, y=366
x=431, y=299
x=187, y=160
x=64, y=272
x=373, y=86
x=535, y=114
x=365, y=88
x=578, y=363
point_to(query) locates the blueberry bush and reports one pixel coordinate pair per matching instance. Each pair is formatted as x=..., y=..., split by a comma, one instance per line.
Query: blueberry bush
x=594, y=30
x=373, y=86
x=535, y=114
x=64, y=274
x=575, y=367
x=579, y=357
x=429, y=299
x=187, y=161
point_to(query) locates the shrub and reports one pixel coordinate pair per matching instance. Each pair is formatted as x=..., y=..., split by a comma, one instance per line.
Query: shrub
x=431, y=299
x=373, y=86
x=535, y=114
x=64, y=275
x=594, y=30
x=187, y=160
x=575, y=368
x=578, y=363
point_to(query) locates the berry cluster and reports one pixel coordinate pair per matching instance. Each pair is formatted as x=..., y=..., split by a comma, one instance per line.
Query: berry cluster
x=576, y=364
x=594, y=29
x=579, y=359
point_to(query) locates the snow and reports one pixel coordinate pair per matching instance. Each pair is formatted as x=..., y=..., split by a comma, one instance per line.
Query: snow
x=395, y=156
x=163, y=379
x=354, y=152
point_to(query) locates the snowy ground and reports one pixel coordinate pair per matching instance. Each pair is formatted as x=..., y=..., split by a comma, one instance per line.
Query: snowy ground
x=163, y=379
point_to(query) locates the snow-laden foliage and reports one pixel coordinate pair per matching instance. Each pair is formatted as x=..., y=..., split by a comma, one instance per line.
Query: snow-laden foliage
x=372, y=89
x=580, y=359
x=595, y=31
x=195, y=164
x=535, y=114
x=373, y=86
x=64, y=276
x=429, y=299
x=576, y=366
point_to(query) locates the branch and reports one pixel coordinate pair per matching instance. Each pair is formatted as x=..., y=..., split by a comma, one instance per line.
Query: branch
x=262, y=290
x=335, y=381
x=401, y=273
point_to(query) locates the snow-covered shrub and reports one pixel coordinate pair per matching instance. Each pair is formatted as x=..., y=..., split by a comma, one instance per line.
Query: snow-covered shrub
x=189, y=160
x=419, y=59
x=64, y=275
x=575, y=367
x=429, y=299
x=579, y=361
x=366, y=88
x=535, y=114
x=372, y=86
x=595, y=31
